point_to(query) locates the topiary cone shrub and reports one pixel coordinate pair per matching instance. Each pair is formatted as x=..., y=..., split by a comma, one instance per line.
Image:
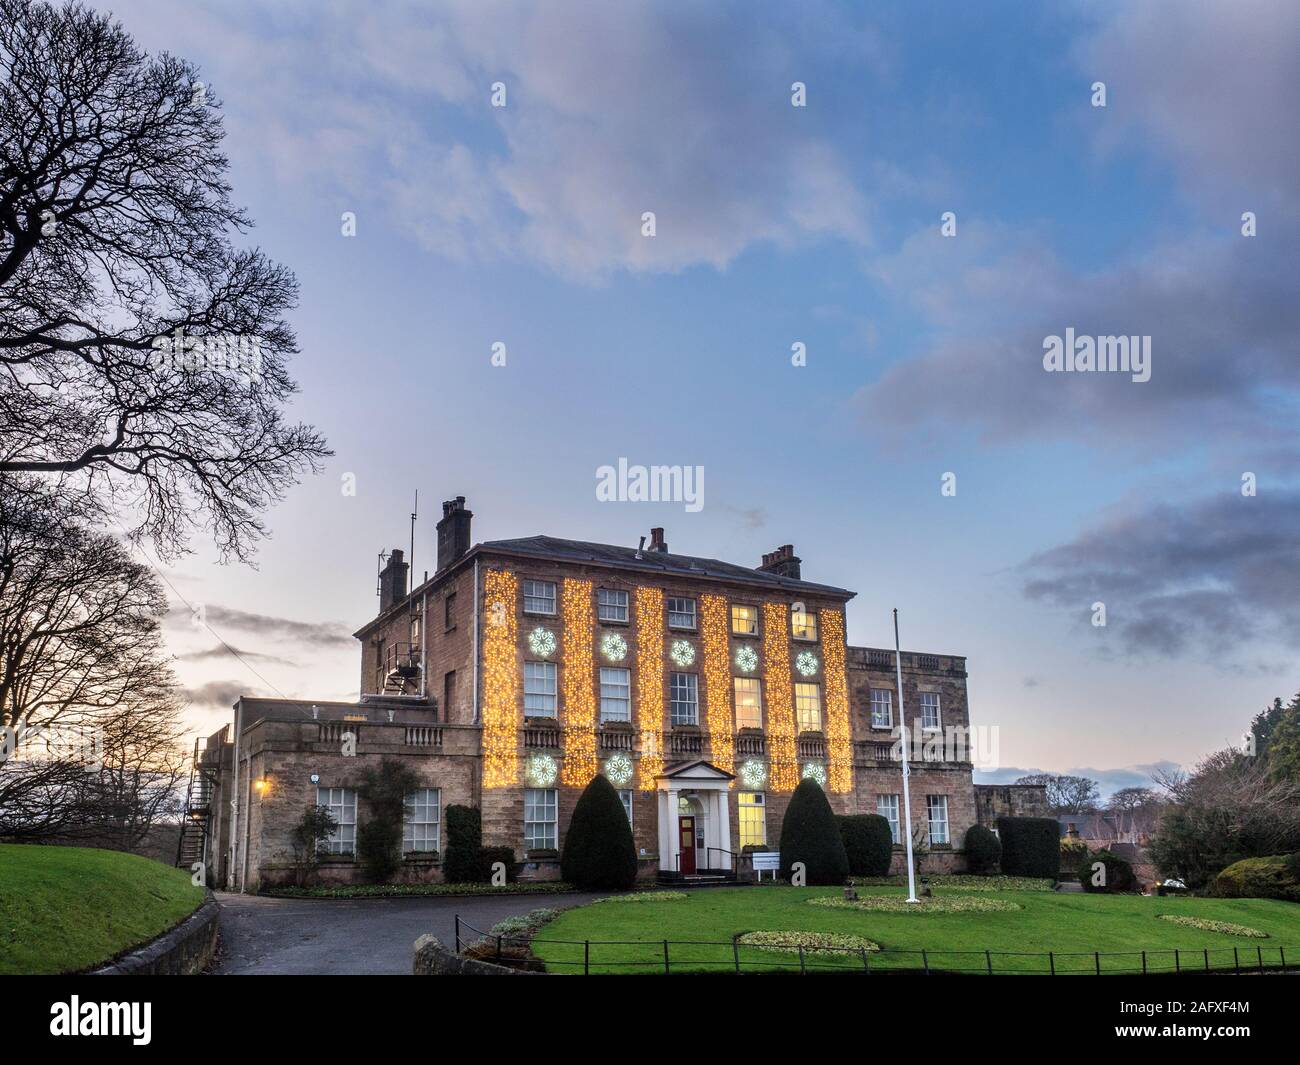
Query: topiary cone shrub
x=1118, y=874
x=809, y=834
x=1030, y=846
x=983, y=851
x=598, y=850
x=460, y=862
x=868, y=843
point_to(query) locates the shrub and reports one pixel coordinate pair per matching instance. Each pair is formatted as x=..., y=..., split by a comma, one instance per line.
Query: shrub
x=810, y=835
x=460, y=863
x=1030, y=846
x=308, y=839
x=489, y=856
x=868, y=844
x=379, y=836
x=1118, y=874
x=983, y=851
x=1260, y=878
x=598, y=849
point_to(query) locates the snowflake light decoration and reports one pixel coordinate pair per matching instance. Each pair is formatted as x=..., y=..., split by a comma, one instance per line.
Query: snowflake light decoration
x=753, y=774
x=613, y=647
x=618, y=770
x=541, y=770
x=816, y=772
x=747, y=659
x=682, y=653
x=806, y=663
x=542, y=642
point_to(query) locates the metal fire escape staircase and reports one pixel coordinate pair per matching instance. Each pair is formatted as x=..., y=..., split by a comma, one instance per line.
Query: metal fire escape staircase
x=193, y=844
x=401, y=667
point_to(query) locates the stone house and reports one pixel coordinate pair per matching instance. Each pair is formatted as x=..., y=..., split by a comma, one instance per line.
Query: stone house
x=703, y=690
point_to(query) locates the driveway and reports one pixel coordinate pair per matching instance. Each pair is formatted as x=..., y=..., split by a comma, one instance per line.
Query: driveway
x=268, y=936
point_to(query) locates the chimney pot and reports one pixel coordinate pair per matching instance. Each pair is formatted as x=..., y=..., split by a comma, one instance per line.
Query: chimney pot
x=782, y=562
x=453, y=531
x=657, y=541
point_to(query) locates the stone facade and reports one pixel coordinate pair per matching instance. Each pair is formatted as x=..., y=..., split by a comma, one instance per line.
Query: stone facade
x=1009, y=800
x=432, y=669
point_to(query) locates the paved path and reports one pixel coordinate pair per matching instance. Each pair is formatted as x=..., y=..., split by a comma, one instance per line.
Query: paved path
x=268, y=936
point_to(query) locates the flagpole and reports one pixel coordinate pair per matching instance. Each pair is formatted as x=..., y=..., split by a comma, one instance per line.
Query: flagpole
x=907, y=794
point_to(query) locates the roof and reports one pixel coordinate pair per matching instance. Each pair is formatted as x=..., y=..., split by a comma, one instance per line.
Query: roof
x=690, y=770
x=663, y=562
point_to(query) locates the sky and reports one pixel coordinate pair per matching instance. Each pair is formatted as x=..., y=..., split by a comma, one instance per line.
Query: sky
x=778, y=225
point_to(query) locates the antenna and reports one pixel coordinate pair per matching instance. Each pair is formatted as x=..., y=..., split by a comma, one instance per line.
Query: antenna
x=411, y=568
x=379, y=574
x=639, y=547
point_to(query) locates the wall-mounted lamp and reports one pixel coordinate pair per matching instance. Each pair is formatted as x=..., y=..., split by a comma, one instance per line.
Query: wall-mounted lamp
x=315, y=778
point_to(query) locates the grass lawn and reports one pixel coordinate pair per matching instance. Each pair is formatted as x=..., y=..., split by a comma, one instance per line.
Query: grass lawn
x=67, y=908
x=1073, y=925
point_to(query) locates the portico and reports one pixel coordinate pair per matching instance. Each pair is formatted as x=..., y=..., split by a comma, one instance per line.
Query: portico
x=694, y=818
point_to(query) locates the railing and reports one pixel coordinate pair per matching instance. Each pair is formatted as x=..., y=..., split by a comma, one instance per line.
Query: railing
x=547, y=738
x=423, y=736
x=334, y=731
x=812, y=746
x=881, y=659
x=731, y=956
x=616, y=740
x=747, y=744
x=874, y=751
x=685, y=743
x=403, y=659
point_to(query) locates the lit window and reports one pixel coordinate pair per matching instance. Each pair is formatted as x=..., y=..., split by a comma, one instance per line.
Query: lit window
x=611, y=605
x=882, y=708
x=929, y=710
x=753, y=820
x=625, y=796
x=539, y=689
x=887, y=807
x=539, y=597
x=684, y=693
x=681, y=613
x=936, y=808
x=342, y=803
x=422, y=821
x=615, y=694
x=744, y=620
x=749, y=702
x=803, y=624
x=808, y=707
x=541, y=823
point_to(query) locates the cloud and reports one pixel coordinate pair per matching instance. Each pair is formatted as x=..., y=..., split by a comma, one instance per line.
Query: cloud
x=611, y=111
x=1207, y=576
x=307, y=635
x=221, y=651
x=216, y=695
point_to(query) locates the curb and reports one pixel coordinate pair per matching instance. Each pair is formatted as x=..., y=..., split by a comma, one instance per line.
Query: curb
x=183, y=950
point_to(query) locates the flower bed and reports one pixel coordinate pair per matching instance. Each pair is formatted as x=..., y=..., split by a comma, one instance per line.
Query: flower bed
x=1226, y=927
x=895, y=904
x=823, y=943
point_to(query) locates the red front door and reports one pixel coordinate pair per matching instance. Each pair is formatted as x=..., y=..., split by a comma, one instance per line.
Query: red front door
x=686, y=844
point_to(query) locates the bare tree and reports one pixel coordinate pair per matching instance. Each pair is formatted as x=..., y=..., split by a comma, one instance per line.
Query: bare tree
x=1136, y=811
x=143, y=357
x=82, y=668
x=1067, y=794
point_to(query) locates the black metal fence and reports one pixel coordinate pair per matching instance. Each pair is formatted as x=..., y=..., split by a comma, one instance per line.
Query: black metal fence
x=590, y=957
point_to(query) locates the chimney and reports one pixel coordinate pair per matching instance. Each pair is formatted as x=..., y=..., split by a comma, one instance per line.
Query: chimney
x=453, y=531
x=657, y=542
x=783, y=562
x=392, y=580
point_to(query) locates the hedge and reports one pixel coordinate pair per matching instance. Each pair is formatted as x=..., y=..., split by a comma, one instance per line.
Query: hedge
x=598, y=849
x=1118, y=876
x=868, y=843
x=983, y=851
x=1030, y=846
x=810, y=835
x=1275, y=877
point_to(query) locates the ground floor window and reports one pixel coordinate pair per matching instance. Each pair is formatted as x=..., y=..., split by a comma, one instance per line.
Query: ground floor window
x=887, y=807
x=342, y=803
x=753, y=819
x=423, y=820
x=937, y=810
x=625, y=795
x=541, y=823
